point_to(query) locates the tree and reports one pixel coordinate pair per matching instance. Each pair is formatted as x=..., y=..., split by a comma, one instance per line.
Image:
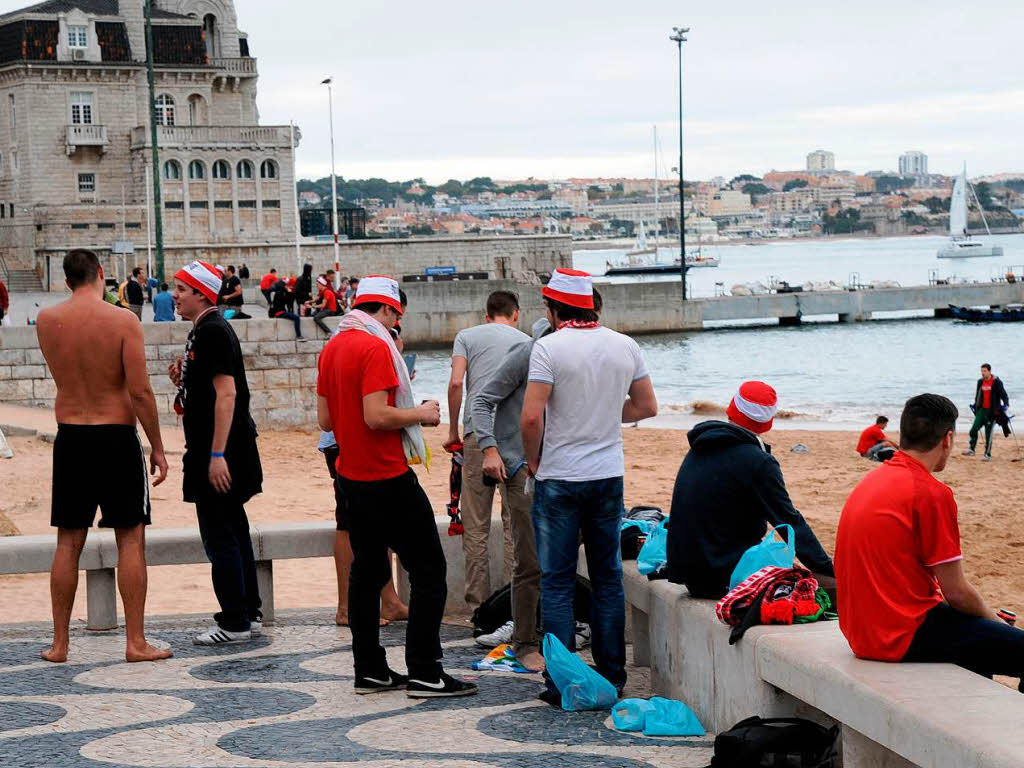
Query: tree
x=756, y=188
x=936, y=204
x=983, y=191
x=886, y=184
x=480, y=183
x=744, y=177
x=1017, y=185
x=846, y=220
x=452, y=188
x=794, y=184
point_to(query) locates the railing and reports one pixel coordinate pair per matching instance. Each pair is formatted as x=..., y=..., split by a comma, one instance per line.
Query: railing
x=244, y=67
x=214, y=135
x=86, y=135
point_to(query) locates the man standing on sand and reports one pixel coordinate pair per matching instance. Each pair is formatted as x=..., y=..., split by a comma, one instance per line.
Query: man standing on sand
x=135, y=291
x=363, y=387
x=97, y=357
x=586, y=381
x=221, y=462
x=477, y=353
x=990, y=401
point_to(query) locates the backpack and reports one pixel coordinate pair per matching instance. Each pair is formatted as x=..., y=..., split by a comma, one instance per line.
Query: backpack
x=497, y=609
x=782, y=742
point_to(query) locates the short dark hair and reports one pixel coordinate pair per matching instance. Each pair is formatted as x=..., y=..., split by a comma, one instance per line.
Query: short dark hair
x=566, y=312
x=925, y=421
x=354, y=280
x=329, y=272
x=231, y=268
x=163, y=287
x=273, y=271
x=882, y=420
x=987, y=367
x=502, y=304
x=137, y=271
x=81, y=267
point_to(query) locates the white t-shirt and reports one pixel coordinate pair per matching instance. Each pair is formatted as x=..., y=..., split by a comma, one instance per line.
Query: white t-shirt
x=590, y=371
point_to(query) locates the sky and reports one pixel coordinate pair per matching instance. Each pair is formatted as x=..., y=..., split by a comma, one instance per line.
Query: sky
x=456, y=89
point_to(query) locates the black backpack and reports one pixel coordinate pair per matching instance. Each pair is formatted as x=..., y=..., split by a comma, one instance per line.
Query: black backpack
x=497, y=609
x=778, y=742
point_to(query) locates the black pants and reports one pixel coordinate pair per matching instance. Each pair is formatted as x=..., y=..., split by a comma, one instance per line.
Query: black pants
x=224, y=529
x=984, y=646
x=395, y=513
x=318, y=318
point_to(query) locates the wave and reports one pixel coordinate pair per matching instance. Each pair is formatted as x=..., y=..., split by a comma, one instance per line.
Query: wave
x=709, y=408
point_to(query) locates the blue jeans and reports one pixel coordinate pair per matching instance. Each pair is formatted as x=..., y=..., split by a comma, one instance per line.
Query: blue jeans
x=561, y=510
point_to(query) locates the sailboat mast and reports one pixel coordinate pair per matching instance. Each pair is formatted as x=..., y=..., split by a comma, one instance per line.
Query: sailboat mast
x=657, y=217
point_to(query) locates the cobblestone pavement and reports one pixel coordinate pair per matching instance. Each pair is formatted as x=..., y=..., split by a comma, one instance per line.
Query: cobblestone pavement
x=286, y=700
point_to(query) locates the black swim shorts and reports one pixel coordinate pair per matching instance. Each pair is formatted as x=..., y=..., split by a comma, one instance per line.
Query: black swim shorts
x=340, y=504
x=99, y=465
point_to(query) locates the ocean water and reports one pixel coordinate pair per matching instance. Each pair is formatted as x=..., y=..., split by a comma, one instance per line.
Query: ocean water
x=827, y=375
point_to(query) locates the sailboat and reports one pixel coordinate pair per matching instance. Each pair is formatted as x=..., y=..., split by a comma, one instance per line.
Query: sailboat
x=640, y=247
x=961, y=245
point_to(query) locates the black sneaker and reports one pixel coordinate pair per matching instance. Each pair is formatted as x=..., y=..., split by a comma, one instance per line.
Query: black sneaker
x=391, y=681
x=554, y=698
x=444, y=687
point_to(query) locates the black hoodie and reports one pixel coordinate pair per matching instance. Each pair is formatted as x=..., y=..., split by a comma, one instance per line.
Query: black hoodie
x=727, y=490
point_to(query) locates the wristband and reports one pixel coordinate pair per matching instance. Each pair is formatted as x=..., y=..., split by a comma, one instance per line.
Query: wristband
x=215, y=455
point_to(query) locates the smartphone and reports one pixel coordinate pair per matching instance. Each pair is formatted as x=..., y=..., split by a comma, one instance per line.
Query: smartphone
x=410, y=363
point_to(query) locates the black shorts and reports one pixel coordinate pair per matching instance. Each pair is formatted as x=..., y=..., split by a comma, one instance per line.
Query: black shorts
x=340, y=504
x=99, y=465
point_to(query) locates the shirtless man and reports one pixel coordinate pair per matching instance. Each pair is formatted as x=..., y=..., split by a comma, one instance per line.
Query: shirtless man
x=98, y=361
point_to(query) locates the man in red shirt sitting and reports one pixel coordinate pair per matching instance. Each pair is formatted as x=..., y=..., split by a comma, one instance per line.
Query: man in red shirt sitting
x=326, y=304
x=873, y=443
x=902, y=592
x=361, y=381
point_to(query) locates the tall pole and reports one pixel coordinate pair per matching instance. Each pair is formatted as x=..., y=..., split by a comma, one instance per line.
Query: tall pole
x=149, y=226
x=295, y=196
x=158, y=219
x=334, y=185
x=678, y=38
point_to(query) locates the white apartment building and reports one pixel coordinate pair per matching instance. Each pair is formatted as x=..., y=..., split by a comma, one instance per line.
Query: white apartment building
x=913, y=163
x=820, y=161
x=75, y=141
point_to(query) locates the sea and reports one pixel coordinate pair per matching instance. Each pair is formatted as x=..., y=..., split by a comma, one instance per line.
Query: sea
x=827, y=375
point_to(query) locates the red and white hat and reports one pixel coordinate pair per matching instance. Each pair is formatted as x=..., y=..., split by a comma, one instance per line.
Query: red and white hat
x=321, y=280
x=572, y=287
x=753, y=407
x=379, y=288
x=203, y=277
x=219, y=268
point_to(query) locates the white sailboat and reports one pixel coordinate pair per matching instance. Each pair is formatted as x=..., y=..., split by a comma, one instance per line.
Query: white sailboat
x=961, y=245
x=640, y=247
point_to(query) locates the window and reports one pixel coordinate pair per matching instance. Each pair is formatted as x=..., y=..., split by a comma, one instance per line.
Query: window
x=196, y=110
x=79, y=226
x=198, y=204
x=222, y=204
x=164, y=110
x=271, y=203
x=221, y=170
x=268, y=169
x=78, y=36
x=246, y=203
x=172, y=170
x=105, y=225
x=15, y=162
x=81, y=108
x=133, y=225
x=174, y=204
x=244, y=169
x=196, y=170
x=12, y=108
x=86, y=183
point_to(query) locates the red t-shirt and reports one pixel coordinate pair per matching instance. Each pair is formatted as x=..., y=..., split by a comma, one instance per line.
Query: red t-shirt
x=986, y=392
x=869, y=438
x=352, y=365
x=898, y=523
x=267, y=280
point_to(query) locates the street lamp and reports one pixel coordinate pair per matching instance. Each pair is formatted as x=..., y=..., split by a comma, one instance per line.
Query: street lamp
x=678, y=38
x=334, y=182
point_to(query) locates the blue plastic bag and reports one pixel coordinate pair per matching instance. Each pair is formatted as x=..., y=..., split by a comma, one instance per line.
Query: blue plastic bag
x=581, y=687
x=631, y=714
x=654, y=553
x=767, y=552
x=667, y=717
x=644, y=525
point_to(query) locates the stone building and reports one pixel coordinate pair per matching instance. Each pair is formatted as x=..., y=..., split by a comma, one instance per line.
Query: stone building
x=75, y=142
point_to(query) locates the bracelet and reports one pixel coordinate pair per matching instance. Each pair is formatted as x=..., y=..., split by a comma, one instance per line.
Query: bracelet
x=215, y=455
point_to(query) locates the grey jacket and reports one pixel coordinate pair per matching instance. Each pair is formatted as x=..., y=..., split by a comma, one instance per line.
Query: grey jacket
x=498, y=407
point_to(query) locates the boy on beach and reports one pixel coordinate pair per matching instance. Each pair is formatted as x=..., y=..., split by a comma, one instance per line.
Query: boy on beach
x=873, y=444
x=990, y=404
x=903, y=594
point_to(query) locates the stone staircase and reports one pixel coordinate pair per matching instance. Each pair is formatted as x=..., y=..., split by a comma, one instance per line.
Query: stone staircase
x=23, y=281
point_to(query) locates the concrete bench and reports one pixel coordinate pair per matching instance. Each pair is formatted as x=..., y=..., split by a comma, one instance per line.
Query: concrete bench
x=892, y=715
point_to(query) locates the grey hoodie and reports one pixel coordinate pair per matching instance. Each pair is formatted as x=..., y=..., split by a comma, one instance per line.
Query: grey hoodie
x=498, y=407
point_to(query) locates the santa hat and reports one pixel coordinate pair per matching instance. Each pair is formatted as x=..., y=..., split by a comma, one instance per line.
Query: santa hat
x=572, y=287
x=753, y=406
x=219, y=268
x=203, y=277
x=378, y=288
x=321, y=280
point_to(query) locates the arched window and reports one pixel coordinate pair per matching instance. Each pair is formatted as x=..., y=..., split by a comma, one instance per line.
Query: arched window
x=212, y=35
x=196, y=170
x=172, y=170
x=244, y=170
x=221, y=170
x=164, y=109
x=268, y=169
x=196, y=110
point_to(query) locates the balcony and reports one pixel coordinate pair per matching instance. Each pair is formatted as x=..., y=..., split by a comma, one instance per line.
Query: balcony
x=240, y=67
x=87, y=135
x=215, y=136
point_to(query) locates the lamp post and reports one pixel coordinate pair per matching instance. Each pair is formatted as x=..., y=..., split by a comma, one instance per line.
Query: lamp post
x=158, y=219
x=678, y=37
x=334, y=183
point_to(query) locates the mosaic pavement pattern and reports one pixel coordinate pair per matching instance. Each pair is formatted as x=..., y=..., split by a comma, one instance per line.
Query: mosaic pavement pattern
x=286, y=701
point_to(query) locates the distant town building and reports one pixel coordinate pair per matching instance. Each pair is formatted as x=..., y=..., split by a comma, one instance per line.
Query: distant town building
x=820, y=161
x=913, y=163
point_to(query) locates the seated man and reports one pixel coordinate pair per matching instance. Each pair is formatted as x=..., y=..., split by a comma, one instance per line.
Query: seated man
x=903, y=595
x=727, y=491
x=873, y=443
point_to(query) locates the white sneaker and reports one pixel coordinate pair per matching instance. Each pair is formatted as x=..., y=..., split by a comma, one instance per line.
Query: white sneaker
x=256, y=627
x=500, y=636
x=217, y=636
x=582, y=635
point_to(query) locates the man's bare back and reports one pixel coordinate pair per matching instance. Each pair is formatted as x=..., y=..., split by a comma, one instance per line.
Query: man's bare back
x=84, y=342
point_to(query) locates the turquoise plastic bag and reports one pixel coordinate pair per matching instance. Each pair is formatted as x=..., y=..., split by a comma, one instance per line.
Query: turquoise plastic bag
x=581, y=687
x=654, y=553
x=767, y=552
x=631, y=714
x=667, y=717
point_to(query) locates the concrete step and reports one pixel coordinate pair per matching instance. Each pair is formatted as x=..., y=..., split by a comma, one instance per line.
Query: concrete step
x=23, y=281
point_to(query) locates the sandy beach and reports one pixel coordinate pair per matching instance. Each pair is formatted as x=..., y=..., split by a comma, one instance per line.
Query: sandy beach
x=297, y=488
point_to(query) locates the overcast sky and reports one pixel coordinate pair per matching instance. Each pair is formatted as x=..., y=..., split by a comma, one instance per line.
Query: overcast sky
x=573, y=87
